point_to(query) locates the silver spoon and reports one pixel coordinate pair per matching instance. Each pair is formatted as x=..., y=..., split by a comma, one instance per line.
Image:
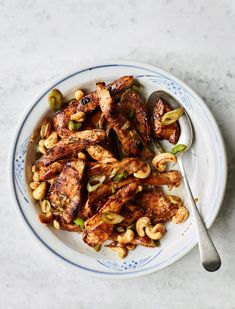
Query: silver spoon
x=209, y=256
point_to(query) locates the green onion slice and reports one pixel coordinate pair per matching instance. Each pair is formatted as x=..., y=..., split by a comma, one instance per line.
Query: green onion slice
x=112, y=218
x=120, y=176
x=172, y=116
x=178, y=148
x=79, y=221
x=94, y=187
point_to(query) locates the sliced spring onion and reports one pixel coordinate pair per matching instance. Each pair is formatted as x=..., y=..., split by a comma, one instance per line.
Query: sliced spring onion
x=178, y=148
x=157, y=243
x=131, y=114
x=114, y=173
x=120, y=176
x=112, y=218
x=173, y=199
x=97, y=248
x=79, y=221
x=172, y=116
x=91, y=188
x=113, y=189
x=55, y=100
x=74, y=126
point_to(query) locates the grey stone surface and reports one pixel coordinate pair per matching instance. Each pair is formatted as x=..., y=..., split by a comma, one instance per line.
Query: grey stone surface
x=39, y=40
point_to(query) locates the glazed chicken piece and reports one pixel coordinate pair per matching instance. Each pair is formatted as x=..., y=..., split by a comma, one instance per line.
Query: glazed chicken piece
x=87, y=104
x=128, y=165
x=100, y=154
x=158, y=206
x=171, y=132
x=129, y=138
x=131, y=213
x=96, y=230
x=171, y=179
x=134, y=108
x=65, y=194
x=95, y=198
x=71, y=145
x=52, y=170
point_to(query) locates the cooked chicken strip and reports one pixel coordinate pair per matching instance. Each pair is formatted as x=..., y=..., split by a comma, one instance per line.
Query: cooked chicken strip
x=66, y=193
x=71, y=145
x=52, y=170
x=158, y=206
x=100, y=154
x=133, y=106
x=87, y=104
x=131, y=213
x=171, y=132
x=129, y=138
x=95, y=198
x=62, y=118
x=129, y=165
x=91, y=101
x=171, y=178
x=96, y=230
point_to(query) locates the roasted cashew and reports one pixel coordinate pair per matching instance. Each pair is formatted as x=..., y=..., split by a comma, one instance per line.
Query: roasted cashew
x=40, y=191
x=51, y=140
x=79, y=94
x=155, y=232
x=160, y=161
x=141, y=225
x=181, y=215
x=78, y=117
x=126, y=237
x=122, y=252
x=144, y=173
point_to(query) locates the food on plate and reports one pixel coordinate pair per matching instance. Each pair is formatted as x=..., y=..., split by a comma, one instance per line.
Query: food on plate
x=96, y=173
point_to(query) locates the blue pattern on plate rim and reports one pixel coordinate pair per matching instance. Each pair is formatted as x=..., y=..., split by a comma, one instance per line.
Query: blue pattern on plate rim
x=128, y=265
x=19, y=168
x=19, y=159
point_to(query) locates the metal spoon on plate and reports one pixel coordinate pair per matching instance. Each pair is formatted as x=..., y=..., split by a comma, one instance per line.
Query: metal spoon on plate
x=209, y=256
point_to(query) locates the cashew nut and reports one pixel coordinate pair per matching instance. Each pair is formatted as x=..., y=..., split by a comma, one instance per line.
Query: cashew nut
x=51, y=140
x=78, y=94
x=144, y=173
x=78, y=117
x=121, y=251
x=36, y=176
x=141, y=224
x=130, y=247
x=40, y=191
x=155, y=232
x=41, y=146
x=56, y=224
x=45, y=129
x=181, y=215
x=82, y=156
x=126, y=237
x=160, y=161
x=33, y=185
x=45, y=206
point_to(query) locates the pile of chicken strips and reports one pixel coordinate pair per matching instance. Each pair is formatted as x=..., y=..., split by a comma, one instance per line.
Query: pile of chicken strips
x=96, y=172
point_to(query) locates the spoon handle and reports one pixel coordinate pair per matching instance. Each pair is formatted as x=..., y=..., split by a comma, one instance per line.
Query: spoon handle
x=209, y=256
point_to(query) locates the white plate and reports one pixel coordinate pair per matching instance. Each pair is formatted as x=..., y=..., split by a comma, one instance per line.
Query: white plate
x=206, y=168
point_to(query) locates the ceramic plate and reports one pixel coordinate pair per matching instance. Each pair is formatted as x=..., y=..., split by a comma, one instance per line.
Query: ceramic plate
x=205, y=164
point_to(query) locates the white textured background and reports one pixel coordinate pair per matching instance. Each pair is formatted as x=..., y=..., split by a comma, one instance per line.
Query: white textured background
x=39, y=40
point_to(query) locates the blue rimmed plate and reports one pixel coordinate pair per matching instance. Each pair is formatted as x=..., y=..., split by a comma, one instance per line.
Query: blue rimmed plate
x=206, y=166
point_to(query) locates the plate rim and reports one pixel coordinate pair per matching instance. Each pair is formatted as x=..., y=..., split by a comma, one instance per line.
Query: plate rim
x=93, y=65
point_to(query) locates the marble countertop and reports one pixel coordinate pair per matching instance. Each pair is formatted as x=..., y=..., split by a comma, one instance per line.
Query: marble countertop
x=42, y=39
